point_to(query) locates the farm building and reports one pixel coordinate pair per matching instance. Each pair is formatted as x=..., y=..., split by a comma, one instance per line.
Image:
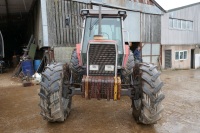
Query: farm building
x=45, y=19
x=181, y=37
x=143, y=24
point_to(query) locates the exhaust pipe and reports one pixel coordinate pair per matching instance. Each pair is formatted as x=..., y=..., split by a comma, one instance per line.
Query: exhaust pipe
x=100, y=18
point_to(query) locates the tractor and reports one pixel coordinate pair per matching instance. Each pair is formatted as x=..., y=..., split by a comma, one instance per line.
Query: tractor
x=102, y=67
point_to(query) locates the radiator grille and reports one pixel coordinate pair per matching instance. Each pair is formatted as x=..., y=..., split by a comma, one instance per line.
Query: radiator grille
x=101, y=55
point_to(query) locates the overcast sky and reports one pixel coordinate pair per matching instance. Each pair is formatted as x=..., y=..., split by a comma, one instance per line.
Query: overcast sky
x=170, y=4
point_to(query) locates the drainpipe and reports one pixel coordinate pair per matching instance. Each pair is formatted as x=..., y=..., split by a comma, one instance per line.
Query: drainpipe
x=100, y=18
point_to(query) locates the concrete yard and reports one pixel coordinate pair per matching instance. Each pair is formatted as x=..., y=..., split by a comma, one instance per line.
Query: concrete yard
x=19, y=110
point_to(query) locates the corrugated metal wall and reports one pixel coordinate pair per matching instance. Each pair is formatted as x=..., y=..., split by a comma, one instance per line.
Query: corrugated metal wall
x=132, y=24
x=150, y=28
x=179, y=36
x=59, y=33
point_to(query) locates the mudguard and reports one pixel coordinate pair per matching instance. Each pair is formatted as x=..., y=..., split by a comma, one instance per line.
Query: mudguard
x=78, y=51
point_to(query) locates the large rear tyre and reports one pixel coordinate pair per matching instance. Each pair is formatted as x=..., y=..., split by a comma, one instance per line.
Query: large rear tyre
x=147, y=107
x=55, y=98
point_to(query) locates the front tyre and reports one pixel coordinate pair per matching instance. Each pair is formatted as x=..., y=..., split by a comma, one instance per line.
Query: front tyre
x=128, y=70
x=148, y=106
x=55, y=98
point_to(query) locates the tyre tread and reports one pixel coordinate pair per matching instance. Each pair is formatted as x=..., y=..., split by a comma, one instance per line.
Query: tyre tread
x=150, y=112
x=51, y=93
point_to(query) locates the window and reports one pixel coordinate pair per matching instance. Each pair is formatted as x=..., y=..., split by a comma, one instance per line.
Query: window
x=190, y=25
x=181, y=55
x=171, y=23
x=185, y=55
x=146, y=49
x=177, y=55
x=150, y=53
x=183, y=24
x=174, y=23
x=180, y=24
x=110, y=30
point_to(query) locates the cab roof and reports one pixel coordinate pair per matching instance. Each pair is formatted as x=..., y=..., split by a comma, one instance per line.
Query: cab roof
x=109, y=13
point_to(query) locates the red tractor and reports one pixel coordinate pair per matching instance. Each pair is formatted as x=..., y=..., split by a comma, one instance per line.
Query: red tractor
x=102, y=67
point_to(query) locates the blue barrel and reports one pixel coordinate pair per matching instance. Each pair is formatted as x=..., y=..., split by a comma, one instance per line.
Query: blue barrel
x=27, y=67
x=36, y=64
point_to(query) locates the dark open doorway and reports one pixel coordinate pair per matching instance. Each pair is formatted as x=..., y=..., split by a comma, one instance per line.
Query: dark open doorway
x=168, y=59
x=192, y=59
x=134, y=46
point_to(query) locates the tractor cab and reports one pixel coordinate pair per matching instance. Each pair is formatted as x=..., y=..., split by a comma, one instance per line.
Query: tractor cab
x=102, y=28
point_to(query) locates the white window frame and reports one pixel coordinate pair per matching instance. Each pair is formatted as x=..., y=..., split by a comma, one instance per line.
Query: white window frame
x=175, y=23
x=182, y=51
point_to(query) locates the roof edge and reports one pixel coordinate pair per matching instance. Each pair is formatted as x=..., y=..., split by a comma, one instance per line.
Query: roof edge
x=182, y=7
x=159, y=6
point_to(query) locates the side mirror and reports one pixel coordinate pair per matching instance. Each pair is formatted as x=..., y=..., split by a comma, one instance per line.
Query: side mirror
x=67, y=21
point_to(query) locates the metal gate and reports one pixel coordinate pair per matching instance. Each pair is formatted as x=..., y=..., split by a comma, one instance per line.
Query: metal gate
x=168, y=58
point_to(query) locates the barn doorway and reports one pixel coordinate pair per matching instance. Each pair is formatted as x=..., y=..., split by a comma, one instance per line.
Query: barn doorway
x=134, y=46
x=16, y=26
x=192, y=59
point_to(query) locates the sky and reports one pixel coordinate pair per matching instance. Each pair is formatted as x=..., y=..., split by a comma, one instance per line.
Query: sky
x=170, y=4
